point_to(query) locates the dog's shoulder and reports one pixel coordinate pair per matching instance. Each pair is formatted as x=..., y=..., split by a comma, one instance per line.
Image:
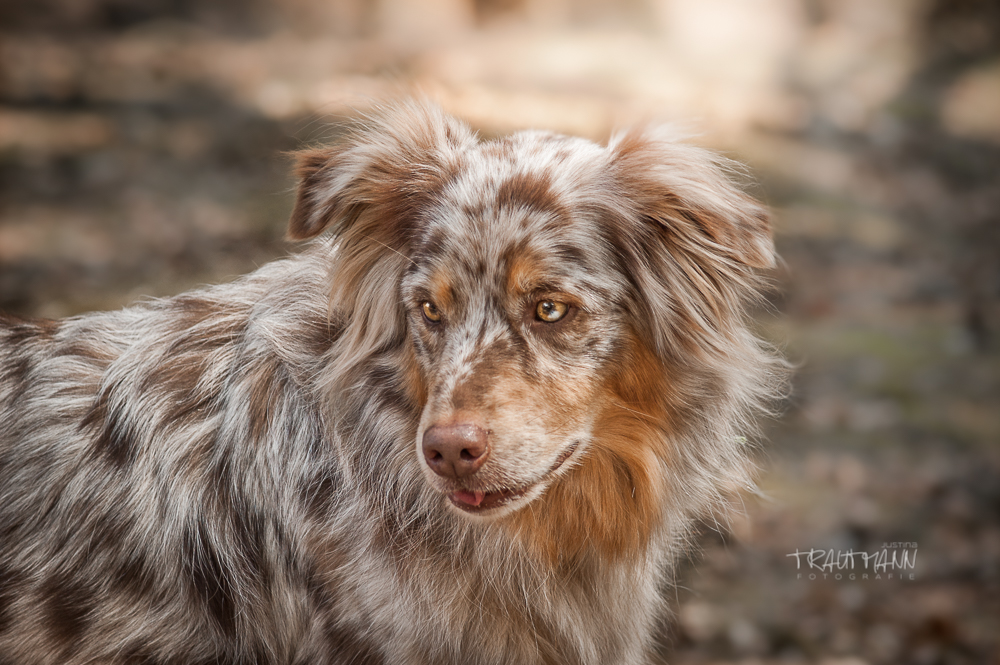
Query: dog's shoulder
x=169, y=359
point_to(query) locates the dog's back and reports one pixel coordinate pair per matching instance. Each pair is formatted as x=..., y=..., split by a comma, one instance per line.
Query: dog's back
x=149, y=464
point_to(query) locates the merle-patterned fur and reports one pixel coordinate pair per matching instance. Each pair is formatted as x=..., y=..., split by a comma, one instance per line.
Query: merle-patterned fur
x=235, y=475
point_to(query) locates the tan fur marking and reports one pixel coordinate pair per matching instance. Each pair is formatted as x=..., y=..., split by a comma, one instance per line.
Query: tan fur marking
x=442, y=295
x=611, y=502
x=522, y=273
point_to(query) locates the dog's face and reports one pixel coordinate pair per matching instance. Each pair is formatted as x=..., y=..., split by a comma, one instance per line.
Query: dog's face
x=514, y=309
x=541, y=281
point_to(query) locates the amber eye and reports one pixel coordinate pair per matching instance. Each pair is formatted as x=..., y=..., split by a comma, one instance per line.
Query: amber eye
x=431, y=312
x=550, y=311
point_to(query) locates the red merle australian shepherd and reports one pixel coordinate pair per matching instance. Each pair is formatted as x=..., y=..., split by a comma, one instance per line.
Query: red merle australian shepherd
x=472, y=422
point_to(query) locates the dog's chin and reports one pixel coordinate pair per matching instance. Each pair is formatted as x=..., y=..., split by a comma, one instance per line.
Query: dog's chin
x=492, y=504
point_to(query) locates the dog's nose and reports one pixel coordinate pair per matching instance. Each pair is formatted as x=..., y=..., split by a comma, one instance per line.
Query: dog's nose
x=455, y=451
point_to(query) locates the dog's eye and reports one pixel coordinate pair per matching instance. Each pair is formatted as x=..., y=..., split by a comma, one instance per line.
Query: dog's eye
x=550, y=311
x=431, y=312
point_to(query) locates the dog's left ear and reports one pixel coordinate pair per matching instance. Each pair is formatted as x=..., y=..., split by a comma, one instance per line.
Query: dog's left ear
x=687, y=192
x=391, y=164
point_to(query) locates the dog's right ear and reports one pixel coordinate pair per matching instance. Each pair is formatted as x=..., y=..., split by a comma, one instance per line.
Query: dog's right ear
x=313, y=210
x=391, y=165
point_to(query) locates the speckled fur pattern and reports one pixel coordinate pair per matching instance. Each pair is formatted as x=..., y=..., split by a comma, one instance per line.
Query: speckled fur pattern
x=235, y=476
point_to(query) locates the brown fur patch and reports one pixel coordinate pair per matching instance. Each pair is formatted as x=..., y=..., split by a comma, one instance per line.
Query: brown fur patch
x=181, y=381
x=268, y=385
x=116, y=440
x=69, y=610
x=10, y=583
x=17, y=329
x=611, y=502
x=413, y=383
x=86, y=350
x=211, y=582
x=529, y=190
x=606, y=505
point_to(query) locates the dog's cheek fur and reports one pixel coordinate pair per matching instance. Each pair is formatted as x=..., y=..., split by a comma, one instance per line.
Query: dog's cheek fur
x=611, y=500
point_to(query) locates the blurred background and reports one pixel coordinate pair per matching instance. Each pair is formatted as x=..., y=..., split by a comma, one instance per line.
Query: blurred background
x=143, y=151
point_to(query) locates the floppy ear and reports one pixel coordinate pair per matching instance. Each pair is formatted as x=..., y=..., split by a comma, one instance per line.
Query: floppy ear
x=370, y=193
x=391, y=164
x=686, y=190
x=692, y=240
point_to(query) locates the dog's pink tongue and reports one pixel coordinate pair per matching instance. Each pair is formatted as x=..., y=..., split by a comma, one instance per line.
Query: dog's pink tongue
x=470, y=498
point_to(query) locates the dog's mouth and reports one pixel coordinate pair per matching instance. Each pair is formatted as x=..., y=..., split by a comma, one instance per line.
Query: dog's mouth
x=477, y=501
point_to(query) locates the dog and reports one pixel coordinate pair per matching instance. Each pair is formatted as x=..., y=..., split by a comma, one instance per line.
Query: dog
x=472, y=421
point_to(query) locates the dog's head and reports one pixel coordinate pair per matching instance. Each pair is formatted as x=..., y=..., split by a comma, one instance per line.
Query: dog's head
x=567, y=306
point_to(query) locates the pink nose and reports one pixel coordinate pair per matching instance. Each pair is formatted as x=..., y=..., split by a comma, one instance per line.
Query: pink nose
x=455, y=451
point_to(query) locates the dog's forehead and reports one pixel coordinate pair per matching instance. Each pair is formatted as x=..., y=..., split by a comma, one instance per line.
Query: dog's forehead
x=522, y=195
x=540, y=170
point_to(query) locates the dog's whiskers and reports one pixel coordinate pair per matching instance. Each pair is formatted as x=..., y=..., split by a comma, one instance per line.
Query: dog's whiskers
x=391, y=249
x=638, y=413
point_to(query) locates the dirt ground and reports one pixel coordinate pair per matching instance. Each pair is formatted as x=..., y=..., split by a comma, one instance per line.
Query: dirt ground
x=143, y=151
